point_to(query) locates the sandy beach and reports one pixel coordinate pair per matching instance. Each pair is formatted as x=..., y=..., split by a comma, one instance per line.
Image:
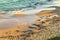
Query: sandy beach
x=25, y=23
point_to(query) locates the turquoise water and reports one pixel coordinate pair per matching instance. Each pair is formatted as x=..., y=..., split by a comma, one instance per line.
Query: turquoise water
x=10, y=5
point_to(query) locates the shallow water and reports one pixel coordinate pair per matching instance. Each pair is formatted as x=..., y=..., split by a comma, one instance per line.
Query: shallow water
x=12, y=21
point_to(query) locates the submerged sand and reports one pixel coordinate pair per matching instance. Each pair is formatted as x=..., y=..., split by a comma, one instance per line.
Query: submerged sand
x=16, y=20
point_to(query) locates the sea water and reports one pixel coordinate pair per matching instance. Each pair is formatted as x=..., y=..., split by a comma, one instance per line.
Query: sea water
x=35, y=6
x=10, y=5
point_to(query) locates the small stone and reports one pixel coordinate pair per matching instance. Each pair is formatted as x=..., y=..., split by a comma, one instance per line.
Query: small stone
x=36, y=25
x=43, y=22
x=17, y=31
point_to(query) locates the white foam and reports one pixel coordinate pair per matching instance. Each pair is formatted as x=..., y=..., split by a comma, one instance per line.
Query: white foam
x=34, y=11
x=29, y=12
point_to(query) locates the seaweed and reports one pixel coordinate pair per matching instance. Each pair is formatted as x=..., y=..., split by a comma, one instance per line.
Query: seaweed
x=55, y=38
